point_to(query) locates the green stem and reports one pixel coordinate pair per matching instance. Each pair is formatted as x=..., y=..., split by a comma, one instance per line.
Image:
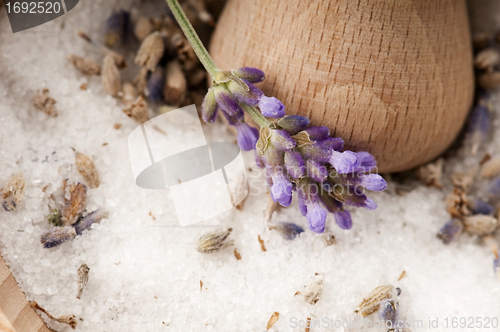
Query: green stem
x=193, y=38
x=256, y=115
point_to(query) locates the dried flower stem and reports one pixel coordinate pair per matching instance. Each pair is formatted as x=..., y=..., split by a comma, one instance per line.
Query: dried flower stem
x=206, y=59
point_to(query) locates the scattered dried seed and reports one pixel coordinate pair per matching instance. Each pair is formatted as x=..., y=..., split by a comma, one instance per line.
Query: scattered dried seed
x=45, y=103
x=84, y=65
x=83, y=86
x=117, y=126
x=141, y=80
x=151, y=51
x=55, y=218
x=69, y=319
x=83, y=278
x=91, y=218
x=214, y=241
x=450, y=231
x=262, y=245
x=151, y=215
x=431, y=173
x=13, y=188
x=110, y=76
x=287, y=229
x=463, y=180
x=237, y=254
x=297, y=293
x=308, y=325
x=487, y=58
x=329, y=239
x=56, y=236
x=75, y=201
x=456, y=204
x=175, y=86
x=313, y=292
x=87, y=169
x=491, y=168
x=489, y=80
x=143, y=28
x=274, y=318
x=138, y=110
x=201, y=285
x=480, y=224
x=371, y=304
x=403, y=275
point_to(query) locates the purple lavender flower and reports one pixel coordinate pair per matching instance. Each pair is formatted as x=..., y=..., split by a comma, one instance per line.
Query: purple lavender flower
x=343, y=219
x=281, y=191
x=247, y=136
x=316, y=217
x=479, y=126
x=450, y=231
x=287, y=229
x=271, y=107
x=252, y=75
x=292, y=124
x=155, y=84
x=118, y=28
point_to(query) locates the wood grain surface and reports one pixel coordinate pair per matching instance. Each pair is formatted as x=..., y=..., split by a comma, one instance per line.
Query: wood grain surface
x=16, y=314
x=392, y=77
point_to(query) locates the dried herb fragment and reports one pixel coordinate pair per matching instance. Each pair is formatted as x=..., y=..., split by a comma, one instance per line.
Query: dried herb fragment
x=83, y=278
x=313, y=292
x=84, y=65
x=44, y=102
x=75, y=202
x=138, y=110
x=56, y=236
x=55, y=218
x=69, y=319
x=150, y=52
x=262, y=245
x=273, y=319
x=14, y=189
x=87, y=169
x=110, y=76
x=372, y=303
x=237, y=254
x=214, y=241
x=91, y=218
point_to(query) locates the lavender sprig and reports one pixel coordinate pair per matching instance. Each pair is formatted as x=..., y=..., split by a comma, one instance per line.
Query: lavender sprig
x=296, y=156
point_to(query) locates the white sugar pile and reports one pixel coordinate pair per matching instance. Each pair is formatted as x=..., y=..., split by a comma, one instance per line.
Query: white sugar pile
x=147, y=278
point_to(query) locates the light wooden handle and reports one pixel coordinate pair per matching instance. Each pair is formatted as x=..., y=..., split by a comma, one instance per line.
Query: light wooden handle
x=392, y=77
x=16, y=314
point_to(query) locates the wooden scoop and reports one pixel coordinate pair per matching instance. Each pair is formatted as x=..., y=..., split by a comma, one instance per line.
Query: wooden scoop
x=392, y=77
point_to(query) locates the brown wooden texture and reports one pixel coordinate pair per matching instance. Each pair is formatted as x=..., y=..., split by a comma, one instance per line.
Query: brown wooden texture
x=16, y=314
x=392, y=77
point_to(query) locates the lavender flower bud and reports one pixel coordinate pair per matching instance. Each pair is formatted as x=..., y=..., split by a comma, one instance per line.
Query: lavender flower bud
x=332, y=143
x=117, y=28
x=373, y=182
x=293, y=123
x=288, y=230
x=302, y=202
x=331, y=204
x=56, y=236
x=258, y=159
x=252, y=75
x=317, y=133
x=282, y=140
x=294, y=164
x=155, y=84
x=316, y=171
x=91, y=218
x=343, y=219
x=250, y=97
x=209, y=107
x=226, y=101
x=450, y=231
x=247, y=136
x=316, y=217
x=479, y=126
x=359, y=200
x=271, y=107
x=151, y=51
x=316, y=151
x=281, y=191
x=478, y=206
x=344, y=162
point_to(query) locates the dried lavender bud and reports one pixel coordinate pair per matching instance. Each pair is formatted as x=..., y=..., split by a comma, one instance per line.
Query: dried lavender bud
x=450, y=231
x=226, y=101
x=244, y=92
x=431, y=173
x=463, y=180
x=138, y=110
x=480, y=224
x=156, y=82
x=487, y=58
x=252, y=75
x=56, y=236
x=55, y=218
x=45, y=103
x=478, y=206
x=214, y=241
x=175, y=85
x=374, y=299
x=83, y=278
x=117, y=28
x=87, y=169
x=274, y=318
x=293, y=123
x=110, y=76
x=489, y=80
x=313, y=292
x=479, y=126
x=294, y=164
x=456, y=204
x=91, y=218
x=151, y=51
x=141, y=80
x=491, y=168
x=13, y=188
x=84, y=65
x=388, y=312
x=129, y=93
x=209, y=107
x=287, y=229
x=75, y=201
x=143, y=28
